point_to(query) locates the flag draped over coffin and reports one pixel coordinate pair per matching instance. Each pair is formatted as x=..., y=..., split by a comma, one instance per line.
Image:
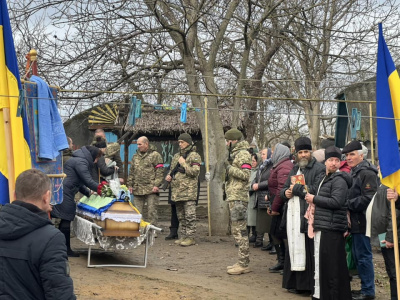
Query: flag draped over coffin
x=14, y=152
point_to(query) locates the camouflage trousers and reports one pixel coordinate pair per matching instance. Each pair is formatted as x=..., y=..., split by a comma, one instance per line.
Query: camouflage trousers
x=238, y=213
x=152, y=205
x=186, y=212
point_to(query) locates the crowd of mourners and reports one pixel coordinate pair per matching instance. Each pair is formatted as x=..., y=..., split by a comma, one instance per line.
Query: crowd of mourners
x=317, y=211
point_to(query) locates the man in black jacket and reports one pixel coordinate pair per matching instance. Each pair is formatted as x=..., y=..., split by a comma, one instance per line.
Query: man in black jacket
x=298, y=275
x=33, y=255
x=365, y=185
x=379, y=217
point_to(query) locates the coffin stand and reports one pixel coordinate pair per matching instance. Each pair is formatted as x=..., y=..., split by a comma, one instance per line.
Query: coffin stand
x=118, y=223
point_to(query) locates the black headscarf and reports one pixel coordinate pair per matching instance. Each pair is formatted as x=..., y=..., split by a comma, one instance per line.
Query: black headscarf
x=100, y=142
x=94, y=151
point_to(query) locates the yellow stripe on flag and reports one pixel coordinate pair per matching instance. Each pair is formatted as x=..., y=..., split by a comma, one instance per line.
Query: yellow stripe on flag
x=20, y=148
x=394, y=85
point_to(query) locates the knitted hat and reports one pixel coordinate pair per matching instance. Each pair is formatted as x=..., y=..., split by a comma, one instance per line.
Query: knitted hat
x=100, y=142
x=353, y=145
x=186, y=138
x=302, y=143
x=333, y=151
x=233, y=134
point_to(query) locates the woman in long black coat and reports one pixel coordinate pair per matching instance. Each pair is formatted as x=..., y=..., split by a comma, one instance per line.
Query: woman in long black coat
x=78, y=170
x=260, y=185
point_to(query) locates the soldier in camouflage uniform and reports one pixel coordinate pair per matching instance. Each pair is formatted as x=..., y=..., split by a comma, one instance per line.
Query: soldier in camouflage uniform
x=112, y=153
x=184, y=188
x=145, y=176
x=237, y=185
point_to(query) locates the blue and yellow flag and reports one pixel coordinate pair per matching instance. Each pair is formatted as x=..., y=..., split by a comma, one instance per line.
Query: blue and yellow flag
x=388, y=113
x=14, y=135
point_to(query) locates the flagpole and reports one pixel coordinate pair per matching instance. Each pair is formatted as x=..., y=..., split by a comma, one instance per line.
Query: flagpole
x=396, y=245
x=10, y=154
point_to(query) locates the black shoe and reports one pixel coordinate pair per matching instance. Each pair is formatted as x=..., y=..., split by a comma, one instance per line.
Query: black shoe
x=71, y=253
x=272, y=251
x=173, y=234
x=257, y=244
x=267, y=248
x=299, y=292
x=356, y=292
x=252, y=239
x=362, y=297
x=276, y=269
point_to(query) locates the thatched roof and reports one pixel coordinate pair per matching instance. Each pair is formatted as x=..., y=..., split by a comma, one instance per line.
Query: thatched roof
x=168, y=122
x=155, y=121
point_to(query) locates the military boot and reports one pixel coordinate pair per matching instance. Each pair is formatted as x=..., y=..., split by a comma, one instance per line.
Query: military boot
x=188, y=242
x=178, y=242
x=233, y=266
x=238, y=270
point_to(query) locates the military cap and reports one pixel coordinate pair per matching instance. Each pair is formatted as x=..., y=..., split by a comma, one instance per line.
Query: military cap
x=353, y=145
x=233, y=134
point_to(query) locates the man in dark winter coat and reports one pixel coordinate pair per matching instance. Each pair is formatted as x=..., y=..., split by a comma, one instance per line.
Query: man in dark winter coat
x=298, y=275
x=379, y=221
x=79, y=178
x=33, y=256
x=330, y=223
x=365, y=184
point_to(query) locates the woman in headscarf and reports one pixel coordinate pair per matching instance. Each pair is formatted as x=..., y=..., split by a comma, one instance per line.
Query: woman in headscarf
x=252, y=209
x=78, y=170
x=280, y=171
x=260, y=185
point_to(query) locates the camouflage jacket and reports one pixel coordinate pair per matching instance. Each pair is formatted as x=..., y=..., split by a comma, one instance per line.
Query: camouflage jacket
x=113, y=153
x=237, y=186
x=184, y=185
x=67, y=154
x=146, y=171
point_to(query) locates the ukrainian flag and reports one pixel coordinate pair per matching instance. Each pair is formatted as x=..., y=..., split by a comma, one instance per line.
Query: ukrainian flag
x=388, y=106
x=14, y=135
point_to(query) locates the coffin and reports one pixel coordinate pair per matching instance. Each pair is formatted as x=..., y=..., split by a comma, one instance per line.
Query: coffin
x=116, y=213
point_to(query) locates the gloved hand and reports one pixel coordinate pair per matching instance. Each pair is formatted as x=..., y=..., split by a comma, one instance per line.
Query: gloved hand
x=299, y=190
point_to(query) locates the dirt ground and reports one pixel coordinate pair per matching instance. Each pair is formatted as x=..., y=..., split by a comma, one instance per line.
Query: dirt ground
x=196, y=272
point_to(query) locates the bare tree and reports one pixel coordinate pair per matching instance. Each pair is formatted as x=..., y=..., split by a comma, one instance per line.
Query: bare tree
x=254, y=49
